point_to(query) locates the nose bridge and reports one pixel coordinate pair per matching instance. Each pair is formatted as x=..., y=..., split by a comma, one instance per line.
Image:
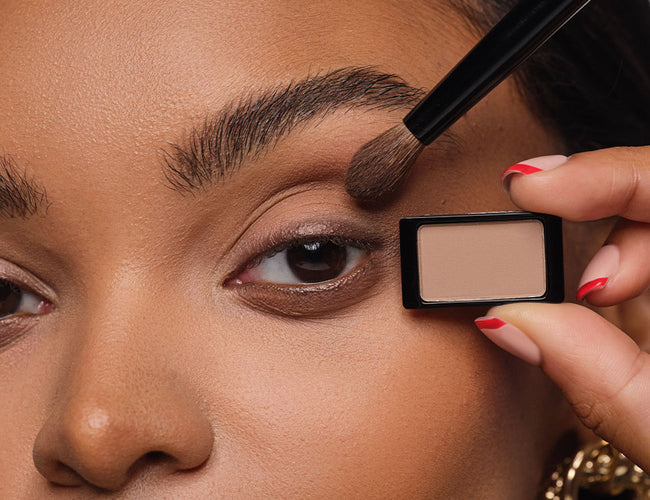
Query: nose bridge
x=126, y=398
x=121, y=335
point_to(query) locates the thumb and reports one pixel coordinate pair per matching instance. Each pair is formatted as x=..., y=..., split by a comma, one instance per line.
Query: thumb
x=602, y=372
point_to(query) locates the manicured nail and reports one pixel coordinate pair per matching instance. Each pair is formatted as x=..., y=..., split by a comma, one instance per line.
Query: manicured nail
x=599, y=271
x=531, y=166
x=510, y=339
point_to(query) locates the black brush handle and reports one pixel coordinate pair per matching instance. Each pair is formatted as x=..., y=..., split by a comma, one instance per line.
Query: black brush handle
x=524, y=29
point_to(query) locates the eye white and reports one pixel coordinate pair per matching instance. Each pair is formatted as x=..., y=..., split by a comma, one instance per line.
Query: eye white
x=29, y=303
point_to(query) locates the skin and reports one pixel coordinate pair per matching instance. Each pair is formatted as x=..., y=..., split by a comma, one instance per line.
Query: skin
x=153, y=375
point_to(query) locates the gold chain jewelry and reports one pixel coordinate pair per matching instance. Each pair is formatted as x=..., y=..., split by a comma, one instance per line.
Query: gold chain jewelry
x=598, y=468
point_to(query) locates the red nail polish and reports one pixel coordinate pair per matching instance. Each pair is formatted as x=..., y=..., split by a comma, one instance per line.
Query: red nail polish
x=596, y=284
x=489, y=323
x=519, y=168
x=510, y=338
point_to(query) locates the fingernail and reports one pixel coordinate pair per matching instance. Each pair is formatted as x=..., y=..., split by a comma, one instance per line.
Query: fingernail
x=531, y=166
x=510, y=339
x=598, y=272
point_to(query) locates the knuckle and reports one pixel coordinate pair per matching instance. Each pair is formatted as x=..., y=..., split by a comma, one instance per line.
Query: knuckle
x=625, y=186
x=593, y=413
x=600, y=416
x=624, y=172
x=629, y=168
x=606, y=412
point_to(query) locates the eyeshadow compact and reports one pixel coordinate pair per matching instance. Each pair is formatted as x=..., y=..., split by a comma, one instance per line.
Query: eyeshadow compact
x=481, y=259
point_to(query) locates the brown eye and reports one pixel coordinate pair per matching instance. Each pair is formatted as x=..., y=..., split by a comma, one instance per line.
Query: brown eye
x=10, y=298
x=15, y=300
x=317, y=261
x=305, y=263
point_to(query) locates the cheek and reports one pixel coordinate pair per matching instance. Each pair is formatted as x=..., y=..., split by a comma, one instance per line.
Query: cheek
x=28, y=373
x=338, y=404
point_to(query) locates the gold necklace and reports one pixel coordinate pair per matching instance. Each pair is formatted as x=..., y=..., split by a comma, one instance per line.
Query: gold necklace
x=601, y=469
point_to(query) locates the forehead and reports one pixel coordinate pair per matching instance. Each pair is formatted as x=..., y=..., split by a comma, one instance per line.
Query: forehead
x=112, y=69
x=99, y=88
x=92, y=90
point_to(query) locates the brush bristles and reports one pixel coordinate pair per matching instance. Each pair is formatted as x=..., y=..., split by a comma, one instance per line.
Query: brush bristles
x=380, y=165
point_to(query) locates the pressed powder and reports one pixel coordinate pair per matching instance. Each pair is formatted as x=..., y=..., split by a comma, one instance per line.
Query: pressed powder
x=478, y=259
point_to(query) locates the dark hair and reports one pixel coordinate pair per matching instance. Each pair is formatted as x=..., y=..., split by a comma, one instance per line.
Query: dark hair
x=591, y=81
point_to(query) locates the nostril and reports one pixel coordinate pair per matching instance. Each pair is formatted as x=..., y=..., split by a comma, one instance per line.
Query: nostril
x=156, y=456
x=152, y=459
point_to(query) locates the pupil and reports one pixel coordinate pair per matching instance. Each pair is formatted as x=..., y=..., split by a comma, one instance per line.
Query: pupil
x=10, y=297
x=316, y=261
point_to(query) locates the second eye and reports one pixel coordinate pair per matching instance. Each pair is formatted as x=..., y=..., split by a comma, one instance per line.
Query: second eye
x=305, y=263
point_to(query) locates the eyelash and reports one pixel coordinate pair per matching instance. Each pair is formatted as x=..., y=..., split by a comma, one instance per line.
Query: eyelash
x=311, y=238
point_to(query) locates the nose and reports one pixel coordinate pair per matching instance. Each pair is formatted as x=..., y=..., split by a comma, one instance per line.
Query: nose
x=124, y=407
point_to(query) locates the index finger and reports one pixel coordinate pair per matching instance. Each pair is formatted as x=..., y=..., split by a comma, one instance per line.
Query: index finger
x=585, y=186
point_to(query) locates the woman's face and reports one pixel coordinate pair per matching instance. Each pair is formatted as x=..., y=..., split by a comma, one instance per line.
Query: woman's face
x=204, y=311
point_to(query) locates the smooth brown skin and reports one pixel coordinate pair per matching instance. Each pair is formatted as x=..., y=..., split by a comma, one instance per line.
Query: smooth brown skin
x=150, y=377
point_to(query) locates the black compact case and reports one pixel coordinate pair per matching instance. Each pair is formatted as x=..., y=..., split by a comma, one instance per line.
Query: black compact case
x=481, y=259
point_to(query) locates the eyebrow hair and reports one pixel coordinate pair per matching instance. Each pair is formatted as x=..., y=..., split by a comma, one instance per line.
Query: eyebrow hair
x=19, y=196
x=244, y=128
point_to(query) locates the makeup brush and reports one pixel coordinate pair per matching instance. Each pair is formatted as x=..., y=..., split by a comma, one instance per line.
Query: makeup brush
x=380, y=165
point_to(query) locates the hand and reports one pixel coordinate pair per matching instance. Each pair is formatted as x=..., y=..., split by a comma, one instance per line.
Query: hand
x=603, y=373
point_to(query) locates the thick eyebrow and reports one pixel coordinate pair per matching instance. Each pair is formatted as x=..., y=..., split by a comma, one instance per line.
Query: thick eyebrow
x=19, y=196
x=243, y=129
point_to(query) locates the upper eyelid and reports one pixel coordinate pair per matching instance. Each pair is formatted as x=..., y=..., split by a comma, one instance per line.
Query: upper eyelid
x=332, y=224
x=336, y=239
x=309, y=231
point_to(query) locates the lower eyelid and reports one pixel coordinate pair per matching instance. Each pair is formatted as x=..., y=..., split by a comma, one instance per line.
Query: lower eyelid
x=314, y=300
x=13, y=328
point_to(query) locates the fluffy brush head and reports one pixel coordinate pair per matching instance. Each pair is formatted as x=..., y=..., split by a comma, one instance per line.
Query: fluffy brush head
x=380, y=165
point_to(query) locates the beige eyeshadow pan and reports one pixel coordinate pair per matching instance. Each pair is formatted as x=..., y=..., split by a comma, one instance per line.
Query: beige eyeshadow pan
x=481, y=259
